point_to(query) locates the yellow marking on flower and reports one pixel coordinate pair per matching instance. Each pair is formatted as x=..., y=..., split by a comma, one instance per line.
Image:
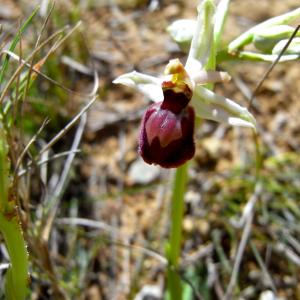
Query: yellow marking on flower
x=179, y=81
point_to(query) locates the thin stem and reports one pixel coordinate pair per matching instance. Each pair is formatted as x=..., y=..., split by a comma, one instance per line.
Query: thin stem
x=223, y=56
x=174, y=245
x=15, y=42
x=258, y=156
x=17, y=276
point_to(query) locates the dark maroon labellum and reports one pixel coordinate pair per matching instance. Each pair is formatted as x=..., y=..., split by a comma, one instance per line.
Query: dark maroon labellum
x=167, y=132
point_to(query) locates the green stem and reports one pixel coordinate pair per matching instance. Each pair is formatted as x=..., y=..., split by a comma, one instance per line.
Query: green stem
x=16, y=279
x=248, y=56
x=174, y=244
x=17, y=275
x=258, y=156
x=14, y=43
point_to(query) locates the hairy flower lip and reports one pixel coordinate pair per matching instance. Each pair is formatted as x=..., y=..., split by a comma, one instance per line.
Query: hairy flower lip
x=171, y=146
x=167, y=129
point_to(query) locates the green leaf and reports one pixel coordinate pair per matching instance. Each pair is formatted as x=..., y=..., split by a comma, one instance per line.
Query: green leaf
x=15, y=42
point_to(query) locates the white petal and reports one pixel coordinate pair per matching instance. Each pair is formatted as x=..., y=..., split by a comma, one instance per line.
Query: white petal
x=194, y=67
x=211, y=106
x=220, y=20
x=182, y=32
x=239, y=122
x=203, y=37
x=150, y=86
x=204, y=77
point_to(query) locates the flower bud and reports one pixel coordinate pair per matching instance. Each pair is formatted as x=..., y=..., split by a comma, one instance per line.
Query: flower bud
x=182, y=32
x=293, y=48
x=266, y=38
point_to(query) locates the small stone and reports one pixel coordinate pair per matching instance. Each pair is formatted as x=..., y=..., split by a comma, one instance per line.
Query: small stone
x=142, y=173
x=188, y=225
x=267, y=295
x=213, y=146
x=149, y=292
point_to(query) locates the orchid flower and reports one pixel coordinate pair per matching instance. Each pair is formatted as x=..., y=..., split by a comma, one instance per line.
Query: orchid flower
x=167, y=128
